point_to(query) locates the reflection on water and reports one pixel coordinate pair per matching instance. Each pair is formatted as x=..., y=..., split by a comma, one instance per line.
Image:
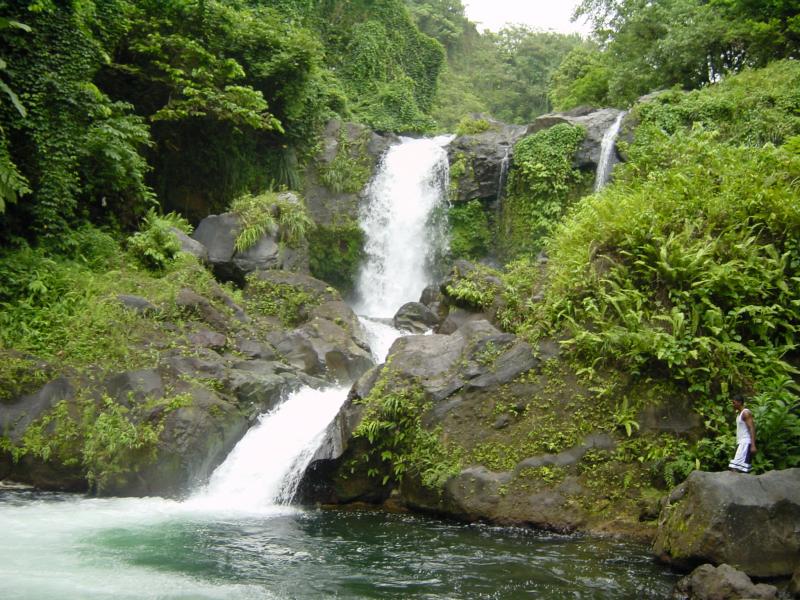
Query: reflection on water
x=67, y=547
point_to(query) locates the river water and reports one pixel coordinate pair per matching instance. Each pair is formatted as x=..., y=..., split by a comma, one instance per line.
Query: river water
x=239, y=538
x=65, y=547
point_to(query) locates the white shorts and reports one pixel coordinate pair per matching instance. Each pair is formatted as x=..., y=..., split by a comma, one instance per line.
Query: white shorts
x=742, y=461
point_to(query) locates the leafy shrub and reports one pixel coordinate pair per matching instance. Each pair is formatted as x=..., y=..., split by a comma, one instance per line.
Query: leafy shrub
x=350, y=169
x=475, y=287
x=470, y=233
x=335, y=253
x=155, y=245
x=470, y=126
x=541, y=185
x=268, y=213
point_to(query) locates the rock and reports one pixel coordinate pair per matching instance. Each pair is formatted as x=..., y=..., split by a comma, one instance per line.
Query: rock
x=137, y=304
x=190, y=246
x=323, y=347
x=596, y=123
x=457, y=318
x=431, y=295
x=255, y=350
x=132, y=387
x=218, y=233
x=749, y=522
x=208, y=339
x=328, y=206
x=707, y=582
x=196, y=305
x=415, y=317
x=16, y=416
x=481, y=158
x=195, y=439
x=794, y=584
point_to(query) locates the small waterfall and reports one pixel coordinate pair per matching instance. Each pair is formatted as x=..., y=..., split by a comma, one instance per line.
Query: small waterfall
x=607, y=154
x=398, y=219
x=501, y=181
x=266, y=465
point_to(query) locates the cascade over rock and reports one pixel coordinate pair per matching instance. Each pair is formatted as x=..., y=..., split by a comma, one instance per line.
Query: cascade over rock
x=480, y=158
x=595, y=122
x=749, y=522
x=354, y=142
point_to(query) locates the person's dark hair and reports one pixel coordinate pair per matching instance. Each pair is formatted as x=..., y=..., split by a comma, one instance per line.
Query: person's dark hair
x=739, y=397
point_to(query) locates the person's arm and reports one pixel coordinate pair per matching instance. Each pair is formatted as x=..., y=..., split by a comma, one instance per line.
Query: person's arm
x=747, y=417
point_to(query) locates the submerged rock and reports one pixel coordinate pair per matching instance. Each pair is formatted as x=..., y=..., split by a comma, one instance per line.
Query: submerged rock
x=708, y=582
x=749, y=522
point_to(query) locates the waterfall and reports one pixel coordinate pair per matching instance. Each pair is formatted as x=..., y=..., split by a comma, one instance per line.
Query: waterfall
x=607, y=153
x=402, y=235
x=501, y=181
x=266, y=465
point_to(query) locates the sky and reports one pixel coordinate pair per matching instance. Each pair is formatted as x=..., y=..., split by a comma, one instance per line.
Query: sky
x=542, y=14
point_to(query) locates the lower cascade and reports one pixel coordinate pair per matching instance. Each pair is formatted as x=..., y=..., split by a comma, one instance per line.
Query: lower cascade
x=265, y=467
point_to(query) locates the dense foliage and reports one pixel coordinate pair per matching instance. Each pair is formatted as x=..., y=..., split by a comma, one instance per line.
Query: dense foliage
x=689, y=43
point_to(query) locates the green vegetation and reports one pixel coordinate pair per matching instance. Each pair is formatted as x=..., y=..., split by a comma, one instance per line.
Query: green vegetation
x=287, y=302
x=103, y=441
x=335, y=253
x=470, y=126
x=350, y=169
x=398, y=444
x=267, y=213
x=155, y=245
x=687, y=266
x=541, y=185
x=470, y=231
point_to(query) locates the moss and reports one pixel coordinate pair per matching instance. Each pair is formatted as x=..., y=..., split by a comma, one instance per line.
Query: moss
x=460, y=168
x=469, y=126
x=289, y=303
x=542, y=184
x=470, y=230
x=335, y=253
x=351, y=167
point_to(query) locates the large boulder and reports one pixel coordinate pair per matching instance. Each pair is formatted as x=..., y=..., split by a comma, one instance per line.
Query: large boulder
x=415, y=317
x=596, y=123
x=708, y=582
x=477, y=162
x=218, y=233
x=749, y=522
x=332, y=343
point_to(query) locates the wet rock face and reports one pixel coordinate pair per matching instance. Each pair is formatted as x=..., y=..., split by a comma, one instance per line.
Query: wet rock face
x=415, y=317
x=480, y=158
x=596, y=123
x=708, y=582
x=749, y=522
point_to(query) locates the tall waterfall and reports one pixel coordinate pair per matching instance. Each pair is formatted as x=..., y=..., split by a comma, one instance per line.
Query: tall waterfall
x=607, y=153
x=267, y=464
x=400, y=226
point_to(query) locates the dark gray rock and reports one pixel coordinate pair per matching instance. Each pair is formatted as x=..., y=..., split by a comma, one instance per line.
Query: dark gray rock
x=218, y=234
x=708, y=582
x=195, y=305
x=132, y=387
x=483, y=155
x=431, y=295
x=327, y=206
x=457, y=318
x=255, y=350
x=596, y=123
x=17, y=416
x=709, y=515
x=569, y=457
x=208, y=339
x=137, y=304
x=415, y=317
x=190, y=246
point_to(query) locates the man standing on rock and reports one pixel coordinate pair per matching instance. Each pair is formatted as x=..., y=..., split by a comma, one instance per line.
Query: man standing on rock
x=745, y=437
